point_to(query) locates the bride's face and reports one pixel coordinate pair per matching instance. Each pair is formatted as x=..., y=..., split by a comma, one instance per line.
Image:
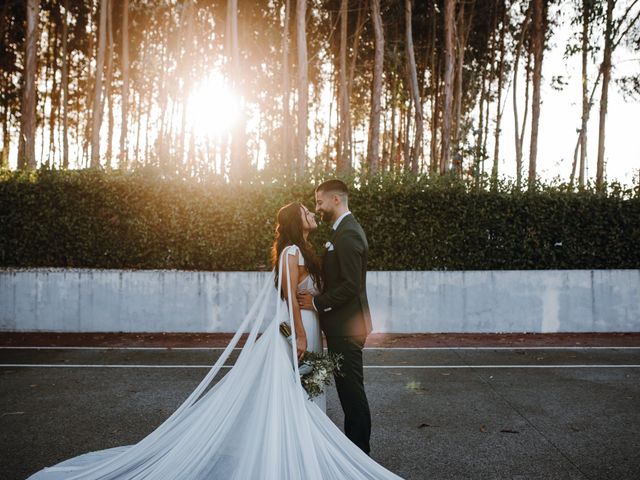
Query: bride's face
x=308, y=219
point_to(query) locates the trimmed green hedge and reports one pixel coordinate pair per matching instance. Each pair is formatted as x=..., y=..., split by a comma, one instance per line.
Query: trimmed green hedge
x=140, y=220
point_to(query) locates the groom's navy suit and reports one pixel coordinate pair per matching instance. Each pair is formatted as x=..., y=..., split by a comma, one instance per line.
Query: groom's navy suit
x=346, y=321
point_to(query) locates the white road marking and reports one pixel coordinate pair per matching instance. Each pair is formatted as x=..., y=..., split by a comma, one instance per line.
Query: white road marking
x=504, y=348
x=43, y=365
x=366, y=348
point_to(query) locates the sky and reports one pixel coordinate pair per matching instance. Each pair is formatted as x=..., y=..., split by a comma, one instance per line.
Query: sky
x=560, y=119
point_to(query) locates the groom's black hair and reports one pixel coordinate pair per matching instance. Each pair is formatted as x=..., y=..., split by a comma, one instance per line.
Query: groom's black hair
x=335, y=185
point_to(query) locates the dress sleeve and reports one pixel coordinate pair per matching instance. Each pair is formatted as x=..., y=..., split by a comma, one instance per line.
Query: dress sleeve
x=292, y=250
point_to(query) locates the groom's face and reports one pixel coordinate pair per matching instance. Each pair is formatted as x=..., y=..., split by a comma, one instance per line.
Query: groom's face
x=325, y=205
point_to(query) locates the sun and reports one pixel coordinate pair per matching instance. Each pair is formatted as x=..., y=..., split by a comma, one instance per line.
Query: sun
x=212, y=107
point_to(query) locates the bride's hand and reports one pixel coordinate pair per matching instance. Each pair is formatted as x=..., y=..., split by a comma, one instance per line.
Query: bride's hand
x=301, y=344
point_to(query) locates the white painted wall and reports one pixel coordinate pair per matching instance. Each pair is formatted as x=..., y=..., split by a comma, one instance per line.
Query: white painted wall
x=83, y=300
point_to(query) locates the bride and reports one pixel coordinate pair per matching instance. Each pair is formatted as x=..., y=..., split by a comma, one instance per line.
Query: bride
x=295, y=221
x=257, y=421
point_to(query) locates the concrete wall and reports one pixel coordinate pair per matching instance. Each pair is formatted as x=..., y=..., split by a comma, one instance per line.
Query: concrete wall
x=81, y=300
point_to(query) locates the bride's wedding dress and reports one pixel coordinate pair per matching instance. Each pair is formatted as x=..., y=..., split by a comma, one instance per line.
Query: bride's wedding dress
x=310, y=320
x=256, y=422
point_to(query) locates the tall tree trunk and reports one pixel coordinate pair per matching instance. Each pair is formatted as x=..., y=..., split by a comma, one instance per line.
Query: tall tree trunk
x=137, y=108
x=333, y=97
x=539, y=23
x=108, y=81
x=138, y=114
x=479, y=141
x=124, y=162
x=343, y=157
x=525, y=115
x=384, y=155
x=182, y=149
x=65, y=87
x=576, y=149
x=449, y=26
x=373, y=147
x=434, y=81
x=86, y=75
x=6, y=136
x=394, y=110
x=55, y=96
x=406, y=142
x=463, y=30
x=147, y=152
x=496, y=149
x=45, y=91
x=489, y=76
x=516, y=64
x=27, y=143
x=457, y=89
x=97, y=97
x=162, y=157
x=286, y=120
x=79, y=137
x=360, y=21
x=239, y=163
x=581, y=145
x=413, y=84
x=303, y=85
x=586, y=14
x=604, y=96
x=487, y=114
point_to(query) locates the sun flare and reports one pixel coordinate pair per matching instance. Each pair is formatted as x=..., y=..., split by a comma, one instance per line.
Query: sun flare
x=212, y=107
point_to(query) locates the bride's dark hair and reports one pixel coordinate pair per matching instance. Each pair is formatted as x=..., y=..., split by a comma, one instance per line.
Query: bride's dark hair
x=289, y=231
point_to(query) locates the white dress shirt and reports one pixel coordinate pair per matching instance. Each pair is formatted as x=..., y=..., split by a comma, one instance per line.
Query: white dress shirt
x=337, y=222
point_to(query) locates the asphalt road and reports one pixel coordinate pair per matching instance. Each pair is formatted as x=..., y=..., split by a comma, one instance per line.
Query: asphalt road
x=443, y=413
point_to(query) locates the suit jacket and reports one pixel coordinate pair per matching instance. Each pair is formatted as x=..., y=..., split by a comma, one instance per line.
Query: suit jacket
x=343, y=306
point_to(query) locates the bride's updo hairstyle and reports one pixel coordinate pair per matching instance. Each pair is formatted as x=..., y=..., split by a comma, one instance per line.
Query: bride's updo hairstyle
x=289, y=231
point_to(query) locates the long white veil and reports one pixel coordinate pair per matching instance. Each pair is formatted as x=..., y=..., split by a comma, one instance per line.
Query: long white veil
x=256, y=422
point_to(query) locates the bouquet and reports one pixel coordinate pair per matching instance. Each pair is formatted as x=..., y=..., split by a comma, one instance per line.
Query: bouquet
x=315, y=369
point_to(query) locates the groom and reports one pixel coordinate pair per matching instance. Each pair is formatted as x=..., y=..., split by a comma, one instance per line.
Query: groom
x=343, y=306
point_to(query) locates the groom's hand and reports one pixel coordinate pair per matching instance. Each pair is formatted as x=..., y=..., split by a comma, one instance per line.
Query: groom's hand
x=305, y=300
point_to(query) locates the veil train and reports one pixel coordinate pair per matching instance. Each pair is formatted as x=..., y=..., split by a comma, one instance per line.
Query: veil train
x=256, y=422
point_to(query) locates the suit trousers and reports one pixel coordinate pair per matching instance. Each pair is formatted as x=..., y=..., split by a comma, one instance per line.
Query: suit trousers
x=350, y=387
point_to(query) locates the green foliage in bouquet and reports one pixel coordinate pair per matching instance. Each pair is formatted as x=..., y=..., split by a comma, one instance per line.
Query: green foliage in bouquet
x=316, y=369
x=324, y=367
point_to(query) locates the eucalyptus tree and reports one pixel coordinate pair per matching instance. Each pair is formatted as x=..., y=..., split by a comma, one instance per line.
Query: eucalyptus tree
x=27, y=141
x=373, y=148
x=303, y=86
x=522, y=33
x=98, y=101
x=413, y=82
x=539, y=28
x=344, y=137
x=12, y=48
x=588, y=13
x=124, y=92
x=286, y=121
x=616, y=30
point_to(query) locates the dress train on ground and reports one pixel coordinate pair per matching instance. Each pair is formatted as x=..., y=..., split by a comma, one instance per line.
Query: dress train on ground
x=256, y=422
